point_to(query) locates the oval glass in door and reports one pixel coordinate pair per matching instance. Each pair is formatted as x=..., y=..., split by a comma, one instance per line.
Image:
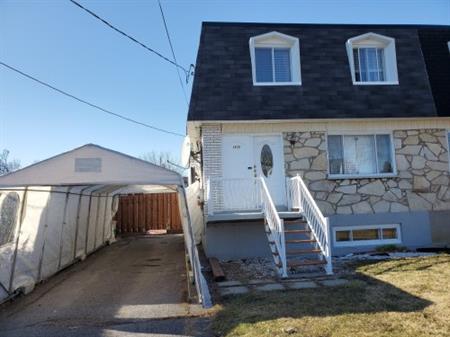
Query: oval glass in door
x=266, y=160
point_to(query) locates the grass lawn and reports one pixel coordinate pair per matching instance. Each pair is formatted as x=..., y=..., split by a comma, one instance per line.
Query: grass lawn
x=397, y=298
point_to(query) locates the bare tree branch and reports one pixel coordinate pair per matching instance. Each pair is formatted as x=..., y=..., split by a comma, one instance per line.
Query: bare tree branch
x=7, y=166
x=163, y=159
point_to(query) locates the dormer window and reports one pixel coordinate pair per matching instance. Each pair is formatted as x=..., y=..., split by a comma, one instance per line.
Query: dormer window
x=272, y=65
x=275, y=59
x=372, y=59
x=369, y=64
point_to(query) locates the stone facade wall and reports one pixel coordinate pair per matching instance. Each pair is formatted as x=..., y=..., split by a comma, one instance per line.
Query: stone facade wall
x=421, y=183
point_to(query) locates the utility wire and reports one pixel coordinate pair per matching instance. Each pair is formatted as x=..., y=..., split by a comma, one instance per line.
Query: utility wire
x=173, y=51
x=128, y=119
x=187, y=72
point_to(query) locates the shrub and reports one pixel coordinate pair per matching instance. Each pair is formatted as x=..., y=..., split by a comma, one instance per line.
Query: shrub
x=390, y=249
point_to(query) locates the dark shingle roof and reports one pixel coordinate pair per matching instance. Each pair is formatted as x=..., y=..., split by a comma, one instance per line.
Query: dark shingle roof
x=223, y=87
x=437, y=58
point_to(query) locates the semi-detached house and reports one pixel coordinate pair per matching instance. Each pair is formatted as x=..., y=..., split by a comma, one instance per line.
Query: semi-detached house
x=312, y=140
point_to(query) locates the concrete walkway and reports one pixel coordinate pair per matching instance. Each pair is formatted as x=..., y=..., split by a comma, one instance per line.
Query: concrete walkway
x=230, y=288
x=135, y=286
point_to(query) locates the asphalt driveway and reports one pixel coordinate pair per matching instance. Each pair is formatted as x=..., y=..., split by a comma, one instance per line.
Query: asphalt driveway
x=134, y=287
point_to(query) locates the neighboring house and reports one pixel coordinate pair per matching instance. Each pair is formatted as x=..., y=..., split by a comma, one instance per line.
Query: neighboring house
x=361, y=113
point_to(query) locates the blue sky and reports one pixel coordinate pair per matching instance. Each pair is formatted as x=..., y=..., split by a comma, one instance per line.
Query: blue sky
x=58, y=43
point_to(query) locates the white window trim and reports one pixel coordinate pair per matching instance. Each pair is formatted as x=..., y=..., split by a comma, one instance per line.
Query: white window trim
x=362, y=176
x=376, y=83
x=285, y=41
x=367, y=242
x=390, y=57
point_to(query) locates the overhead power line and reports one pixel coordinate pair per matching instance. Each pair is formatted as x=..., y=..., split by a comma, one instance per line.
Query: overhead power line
x=188, y=72
x=173, y=51
x=128, y=119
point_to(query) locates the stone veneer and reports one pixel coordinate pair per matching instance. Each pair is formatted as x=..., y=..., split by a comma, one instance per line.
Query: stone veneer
x=421, y=182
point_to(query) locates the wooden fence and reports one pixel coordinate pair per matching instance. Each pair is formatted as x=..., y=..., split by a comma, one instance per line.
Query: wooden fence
x=140, y=213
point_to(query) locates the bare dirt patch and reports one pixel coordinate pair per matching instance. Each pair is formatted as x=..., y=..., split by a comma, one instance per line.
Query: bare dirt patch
x=249, y=269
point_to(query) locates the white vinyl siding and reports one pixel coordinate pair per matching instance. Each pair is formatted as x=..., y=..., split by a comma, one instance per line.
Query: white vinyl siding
x=346, y=236
x=360, y=155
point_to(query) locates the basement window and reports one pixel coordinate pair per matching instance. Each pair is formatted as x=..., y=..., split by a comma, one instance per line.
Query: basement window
x=367, y=235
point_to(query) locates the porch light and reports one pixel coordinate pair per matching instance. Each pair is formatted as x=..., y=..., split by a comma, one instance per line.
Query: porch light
x=292, y=137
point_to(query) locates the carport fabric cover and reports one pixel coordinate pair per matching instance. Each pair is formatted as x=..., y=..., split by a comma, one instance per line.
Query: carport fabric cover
x=91, y=165
x=55, y=226
x=66, y=208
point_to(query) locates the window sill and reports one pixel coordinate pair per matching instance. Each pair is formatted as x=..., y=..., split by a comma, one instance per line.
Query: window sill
x=366, y=176
x=366, y=243
x=377, y=83
x=277, y=83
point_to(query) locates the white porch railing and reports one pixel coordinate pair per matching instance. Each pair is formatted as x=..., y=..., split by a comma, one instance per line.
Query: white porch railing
x=301, y=199
x=224, y=195
x=275, y=225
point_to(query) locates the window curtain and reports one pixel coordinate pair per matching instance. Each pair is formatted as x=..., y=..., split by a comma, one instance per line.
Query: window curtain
x=360, y=155
x=335, y=155
x=371, y=63
x=384, y=154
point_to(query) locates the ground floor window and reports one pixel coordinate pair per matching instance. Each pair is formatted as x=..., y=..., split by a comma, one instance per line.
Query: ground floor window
x=367, y=235
x=360, y=155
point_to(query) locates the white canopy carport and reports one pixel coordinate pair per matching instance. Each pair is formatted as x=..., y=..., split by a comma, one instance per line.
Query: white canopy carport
x=60, y=210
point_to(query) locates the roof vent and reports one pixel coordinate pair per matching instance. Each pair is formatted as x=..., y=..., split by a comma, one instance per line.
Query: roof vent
x=88, y=164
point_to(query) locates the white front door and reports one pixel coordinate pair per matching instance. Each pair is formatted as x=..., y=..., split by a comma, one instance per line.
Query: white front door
x=238, y=187
x=246, y=158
